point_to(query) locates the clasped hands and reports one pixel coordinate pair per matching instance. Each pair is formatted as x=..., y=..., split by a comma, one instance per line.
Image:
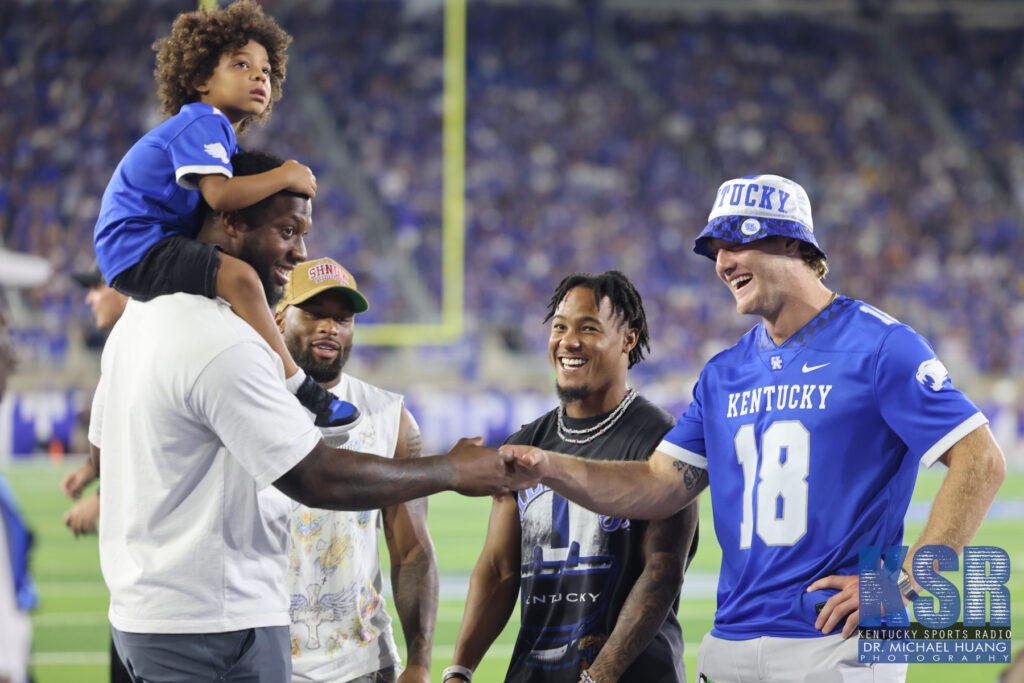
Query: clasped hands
x=481, y=471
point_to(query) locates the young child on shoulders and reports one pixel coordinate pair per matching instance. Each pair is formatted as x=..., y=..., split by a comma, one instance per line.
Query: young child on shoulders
x=218, y=71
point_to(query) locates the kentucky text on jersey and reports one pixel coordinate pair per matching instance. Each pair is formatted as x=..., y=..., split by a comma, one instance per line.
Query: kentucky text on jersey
x=753, y=194
x=551, y=599
x=780, y=397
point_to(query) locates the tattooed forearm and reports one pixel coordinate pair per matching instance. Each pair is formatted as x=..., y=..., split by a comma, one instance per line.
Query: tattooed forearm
x=409, y=447
x=414, y=442
x=642, y=615
x=414, y=583
x=666, y=545
x=693, y=477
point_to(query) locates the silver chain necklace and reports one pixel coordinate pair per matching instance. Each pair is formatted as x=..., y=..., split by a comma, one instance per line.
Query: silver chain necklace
x=598, y=429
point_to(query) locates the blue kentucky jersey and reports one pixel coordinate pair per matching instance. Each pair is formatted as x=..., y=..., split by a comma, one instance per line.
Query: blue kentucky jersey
x=812, y=450
x=152, y=193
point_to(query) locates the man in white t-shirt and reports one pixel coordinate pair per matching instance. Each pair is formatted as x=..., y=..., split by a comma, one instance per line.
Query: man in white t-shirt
x=334, y=561
x=193, y=421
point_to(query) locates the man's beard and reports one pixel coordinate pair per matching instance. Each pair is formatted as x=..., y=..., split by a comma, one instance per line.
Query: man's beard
x=570, y=394
x=320, y=371
x=265, y=272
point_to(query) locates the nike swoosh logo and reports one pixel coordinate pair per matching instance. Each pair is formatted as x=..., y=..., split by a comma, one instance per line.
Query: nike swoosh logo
x=812, y=368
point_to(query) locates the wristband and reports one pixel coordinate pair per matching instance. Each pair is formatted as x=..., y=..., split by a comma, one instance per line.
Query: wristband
x=906, y=587
x=585, y=677
x=456, y=672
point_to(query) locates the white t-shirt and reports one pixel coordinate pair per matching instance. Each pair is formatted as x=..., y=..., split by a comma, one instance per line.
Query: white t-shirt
x=192, y=419
x=340, y=626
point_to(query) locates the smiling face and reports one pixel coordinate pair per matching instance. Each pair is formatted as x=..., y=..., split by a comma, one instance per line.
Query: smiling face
x=758, y=273
x=589, y=350
x=269, y=236
x=240, y=84
x=318, y=334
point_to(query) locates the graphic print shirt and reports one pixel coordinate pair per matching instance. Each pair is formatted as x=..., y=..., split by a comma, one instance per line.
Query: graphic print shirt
x=340, y=626
x=578, y=567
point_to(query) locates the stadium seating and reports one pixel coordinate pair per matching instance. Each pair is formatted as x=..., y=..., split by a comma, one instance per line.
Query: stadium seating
x=592, y=142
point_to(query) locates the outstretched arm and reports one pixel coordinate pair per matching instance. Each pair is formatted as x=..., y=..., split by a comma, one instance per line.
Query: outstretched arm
x=493, y=586
x=651, y=489
x=413, y=565
x=337, y=479
x=666, y=545
x=977, y=469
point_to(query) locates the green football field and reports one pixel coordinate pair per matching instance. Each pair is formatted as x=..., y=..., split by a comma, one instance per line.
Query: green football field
x=71, y=632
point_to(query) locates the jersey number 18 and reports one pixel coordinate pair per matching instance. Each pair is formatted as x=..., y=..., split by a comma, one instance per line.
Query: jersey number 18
x=782, y=482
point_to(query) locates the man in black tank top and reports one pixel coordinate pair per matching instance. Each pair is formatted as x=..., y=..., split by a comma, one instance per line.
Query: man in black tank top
x=598, y=594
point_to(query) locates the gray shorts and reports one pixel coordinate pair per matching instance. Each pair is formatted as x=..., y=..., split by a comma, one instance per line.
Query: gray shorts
x=388, y=675
x=255, y=655
x=828, y=659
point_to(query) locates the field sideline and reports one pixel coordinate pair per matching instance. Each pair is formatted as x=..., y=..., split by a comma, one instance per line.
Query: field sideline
x=71, y=632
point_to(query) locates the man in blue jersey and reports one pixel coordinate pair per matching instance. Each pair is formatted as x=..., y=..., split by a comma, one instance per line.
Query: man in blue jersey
x=810, y=430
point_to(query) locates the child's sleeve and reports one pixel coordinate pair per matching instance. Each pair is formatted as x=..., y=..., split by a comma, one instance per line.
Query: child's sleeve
x=203, y=147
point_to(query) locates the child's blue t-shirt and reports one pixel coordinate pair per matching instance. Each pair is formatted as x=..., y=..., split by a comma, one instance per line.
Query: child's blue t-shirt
x=152, y=193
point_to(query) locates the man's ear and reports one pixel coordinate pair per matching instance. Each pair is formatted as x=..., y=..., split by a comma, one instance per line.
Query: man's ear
x=630, y=340
x=232, y=223
x=279, y=319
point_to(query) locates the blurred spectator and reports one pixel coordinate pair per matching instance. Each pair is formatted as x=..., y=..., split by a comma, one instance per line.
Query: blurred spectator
x=107, y=306
x=17, y=589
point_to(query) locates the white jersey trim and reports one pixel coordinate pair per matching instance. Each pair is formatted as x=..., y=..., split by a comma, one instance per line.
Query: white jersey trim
x=945, y=443
x=679, y=453
x=183, y=174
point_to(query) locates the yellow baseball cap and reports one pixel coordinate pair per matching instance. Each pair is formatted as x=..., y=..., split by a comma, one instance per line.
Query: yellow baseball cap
x=312, y=277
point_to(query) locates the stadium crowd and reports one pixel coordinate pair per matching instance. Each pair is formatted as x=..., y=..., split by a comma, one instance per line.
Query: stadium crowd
x=592, y=142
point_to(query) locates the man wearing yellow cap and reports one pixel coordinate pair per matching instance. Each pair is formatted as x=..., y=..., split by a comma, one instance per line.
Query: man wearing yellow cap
x=340, y=629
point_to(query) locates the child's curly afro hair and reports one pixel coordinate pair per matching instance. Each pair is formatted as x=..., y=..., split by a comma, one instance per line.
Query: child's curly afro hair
x=198, y=40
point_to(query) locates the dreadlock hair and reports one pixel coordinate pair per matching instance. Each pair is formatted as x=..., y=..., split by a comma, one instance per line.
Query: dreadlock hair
x=625, y=300
x=199, y=39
